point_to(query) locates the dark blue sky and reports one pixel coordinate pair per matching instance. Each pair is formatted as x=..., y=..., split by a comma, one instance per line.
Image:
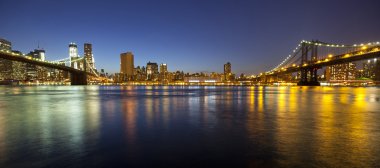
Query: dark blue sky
x=194, y=36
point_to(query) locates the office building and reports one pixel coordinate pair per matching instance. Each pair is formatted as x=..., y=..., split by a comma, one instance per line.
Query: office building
x=126, y=63
x=341, y=72
x=371, y=69
x=163, y=72
x=228, y=76
x=73, y=54
x=152, y=71
x=5, y=65
x=32, y=71
x=89, y=56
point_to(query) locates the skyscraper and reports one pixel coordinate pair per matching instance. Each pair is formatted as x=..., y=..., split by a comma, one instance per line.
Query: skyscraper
x=227, y=72
x=163, y=72
x=88, y=55
x=73, y=54
x=5, y=65
x=31, y=70
x=151, y=70
x=163, y=68
x=227, y=68
x=127, y=64
x=341, y=72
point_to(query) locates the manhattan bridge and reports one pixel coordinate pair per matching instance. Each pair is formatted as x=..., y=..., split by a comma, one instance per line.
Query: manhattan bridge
x=310, y=56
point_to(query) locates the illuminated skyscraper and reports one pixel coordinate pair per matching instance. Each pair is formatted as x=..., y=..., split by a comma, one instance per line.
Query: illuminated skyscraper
x=88, y=55
x=227, y=68
x=5, y=65
x=163, y=68
x=341, y=72
x=227, y=72
x=163, y=72
x=73, y=54
x=127, y=64
x=152, y=70
x=371, y=69
x=31, y=70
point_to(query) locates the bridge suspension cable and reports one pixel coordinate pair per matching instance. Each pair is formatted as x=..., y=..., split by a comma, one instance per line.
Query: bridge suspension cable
x=325, y=51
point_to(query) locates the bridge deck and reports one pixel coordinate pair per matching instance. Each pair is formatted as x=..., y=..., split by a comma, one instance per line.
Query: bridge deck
x=16, y=57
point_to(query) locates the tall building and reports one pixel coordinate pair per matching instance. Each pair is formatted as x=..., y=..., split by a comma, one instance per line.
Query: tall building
x=73, y=54
x=32, y=71
x=151, y=70
x=5, y=65
x=371, y=69
x=163, y=72
x=127, y=64
x=88, y=55
x=227, y=68
x=227, y=72
x=341, y=72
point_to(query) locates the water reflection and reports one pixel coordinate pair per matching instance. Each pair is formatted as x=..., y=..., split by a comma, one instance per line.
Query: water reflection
x=189, y=126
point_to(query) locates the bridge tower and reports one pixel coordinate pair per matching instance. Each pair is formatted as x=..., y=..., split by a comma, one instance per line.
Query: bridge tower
x=309, y=76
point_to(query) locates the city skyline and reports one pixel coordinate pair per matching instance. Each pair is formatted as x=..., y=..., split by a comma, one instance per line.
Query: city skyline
x=201, y=36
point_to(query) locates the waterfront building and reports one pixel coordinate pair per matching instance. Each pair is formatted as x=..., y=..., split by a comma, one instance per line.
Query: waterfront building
x=163, y=72
x=34, y=72
x=179, y=76
x=5, y=65
x=371, y=68
x=90, y=61
x=73, y=55
x=152, y=71
x=341, y=72
x=228, y=76
x=201, y=80
x=126, y=63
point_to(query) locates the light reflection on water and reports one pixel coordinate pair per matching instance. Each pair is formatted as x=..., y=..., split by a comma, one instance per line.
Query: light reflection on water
x=189, y=126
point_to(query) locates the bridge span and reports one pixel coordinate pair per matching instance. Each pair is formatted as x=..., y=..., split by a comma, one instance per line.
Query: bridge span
x=77, y=77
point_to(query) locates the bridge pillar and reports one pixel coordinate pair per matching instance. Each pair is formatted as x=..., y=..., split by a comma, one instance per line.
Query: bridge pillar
x=310, y=77
x=78, y=78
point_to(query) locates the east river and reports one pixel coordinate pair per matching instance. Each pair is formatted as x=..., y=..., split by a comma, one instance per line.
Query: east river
x=175, y=126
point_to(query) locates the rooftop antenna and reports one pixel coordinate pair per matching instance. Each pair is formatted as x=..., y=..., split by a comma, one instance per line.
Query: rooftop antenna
x=38, y=43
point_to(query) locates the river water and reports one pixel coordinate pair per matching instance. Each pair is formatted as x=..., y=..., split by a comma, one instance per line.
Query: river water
x=175, y=126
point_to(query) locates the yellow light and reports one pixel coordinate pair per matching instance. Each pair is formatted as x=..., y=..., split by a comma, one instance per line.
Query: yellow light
x=304, y=64
x=347, y=55
x=326, y=59
x=294, y=65
x=330, y=55
x=364, y=47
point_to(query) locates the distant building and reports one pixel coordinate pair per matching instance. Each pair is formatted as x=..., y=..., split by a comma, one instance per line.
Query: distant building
x=179, y=76
x=89, y=56
x=18, y=68
x=32, y=71
x=5, y=65
x=202, y=79
x=73, y=54
x=5, y=45
x=152, y=71
x=227, y=68
x=163, y=72
x=127, y=65
x=341, y=72
x=371, y=69
x=228, y=76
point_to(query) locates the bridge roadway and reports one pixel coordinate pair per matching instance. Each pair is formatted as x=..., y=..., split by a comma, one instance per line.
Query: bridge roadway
x=366, y=54
x=78, y=77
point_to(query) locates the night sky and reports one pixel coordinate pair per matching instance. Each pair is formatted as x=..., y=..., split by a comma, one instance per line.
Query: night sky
x=192, y=36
